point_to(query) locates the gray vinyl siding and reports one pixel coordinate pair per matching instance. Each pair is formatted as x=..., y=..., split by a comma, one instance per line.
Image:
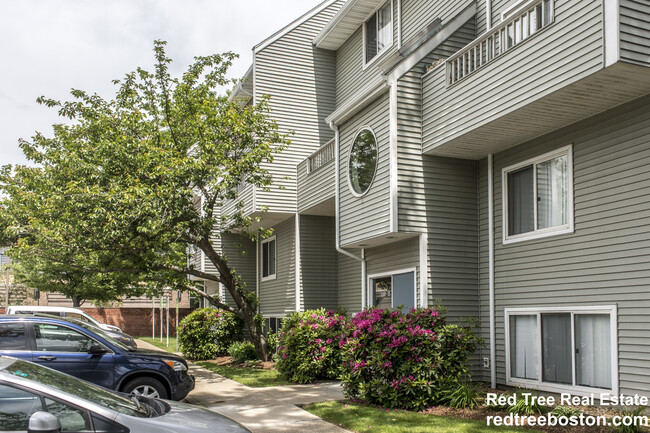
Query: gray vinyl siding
x=318, y=262
x=300, y=81
x=278, y=296
x=349, y=283
x=635, y=31
x=398, y=256
x=452, y=217
x=607, y=260
x=367, y=216
x=412, y=196
x=563, y=53
x=240, y=253
x=350, y=73
x=418, y=14
x=245, y=195
x=316, y=186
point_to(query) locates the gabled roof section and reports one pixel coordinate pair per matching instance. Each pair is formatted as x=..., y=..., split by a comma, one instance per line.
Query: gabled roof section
x=345, y=22
x=244, y=90
x=277, y=35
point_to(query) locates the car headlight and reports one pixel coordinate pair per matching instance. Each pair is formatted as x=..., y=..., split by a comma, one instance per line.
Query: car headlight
x=176, y=365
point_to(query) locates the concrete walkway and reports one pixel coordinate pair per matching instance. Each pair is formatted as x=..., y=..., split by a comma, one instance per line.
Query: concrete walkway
x=262, y=410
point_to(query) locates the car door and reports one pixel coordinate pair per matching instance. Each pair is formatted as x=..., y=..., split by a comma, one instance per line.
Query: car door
x=14, y=341
x=65, y=349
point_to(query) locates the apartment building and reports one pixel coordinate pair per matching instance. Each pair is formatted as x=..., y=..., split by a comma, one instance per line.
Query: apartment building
x=493, y=156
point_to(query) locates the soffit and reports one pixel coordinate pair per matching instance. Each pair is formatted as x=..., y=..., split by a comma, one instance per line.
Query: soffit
x=345, y=22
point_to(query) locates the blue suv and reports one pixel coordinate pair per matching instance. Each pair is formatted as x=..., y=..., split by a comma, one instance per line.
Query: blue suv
x=90, y=354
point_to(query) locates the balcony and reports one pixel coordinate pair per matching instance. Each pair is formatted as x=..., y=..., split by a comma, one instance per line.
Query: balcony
x=548, y=64
x=316, y=182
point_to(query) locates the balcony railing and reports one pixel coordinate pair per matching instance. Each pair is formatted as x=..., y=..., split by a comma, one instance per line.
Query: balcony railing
x=517, y=26
x=321, y=157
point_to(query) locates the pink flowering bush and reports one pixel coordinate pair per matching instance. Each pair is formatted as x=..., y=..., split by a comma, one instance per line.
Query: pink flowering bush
x=206, y=333
x=404, y=361
x=309, y=345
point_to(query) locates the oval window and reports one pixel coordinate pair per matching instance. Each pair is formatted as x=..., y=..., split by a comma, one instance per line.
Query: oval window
x=363, y=161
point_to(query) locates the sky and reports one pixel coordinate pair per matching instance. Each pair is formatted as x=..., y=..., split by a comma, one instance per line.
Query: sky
x=51, y=46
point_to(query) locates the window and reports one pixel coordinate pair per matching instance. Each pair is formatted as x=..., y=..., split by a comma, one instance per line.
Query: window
x=268, y=258
x=54, y=338
x=378, y=31
x=16, y=406
x=12, y=336
x=559, y=349
x=362, y=164
x=538, y=197
x=393, y=290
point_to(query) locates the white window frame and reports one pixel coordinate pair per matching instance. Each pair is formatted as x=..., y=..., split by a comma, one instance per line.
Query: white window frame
x=391, y=274
x=556, y=387
x=354, y=139
x=392, y=37
x=272, y=276
x=549, y=231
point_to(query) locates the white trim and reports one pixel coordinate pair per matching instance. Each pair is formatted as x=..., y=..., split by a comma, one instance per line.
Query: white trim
x=448, y=29
x=399, y=24
x=347, y=171
x=274, y=275
x=354, y=103
x=387, y=46
x=538, y=233
x=424, y=270
x=298, y=265
x=488, y=14
x=293, y=25
x=393, y=166
x=364, y=274
x=391, y=274
x=258, y=271
x=612, y=310
x=611, y=31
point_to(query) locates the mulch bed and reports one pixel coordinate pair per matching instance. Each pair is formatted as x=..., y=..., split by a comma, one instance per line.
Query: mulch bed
x=227, y=361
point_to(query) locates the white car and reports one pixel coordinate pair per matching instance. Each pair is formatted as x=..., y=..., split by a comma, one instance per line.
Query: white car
x=75, y=313
x=38, y=399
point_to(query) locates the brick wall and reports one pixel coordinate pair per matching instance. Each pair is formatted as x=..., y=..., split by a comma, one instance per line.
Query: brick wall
x=137, y=321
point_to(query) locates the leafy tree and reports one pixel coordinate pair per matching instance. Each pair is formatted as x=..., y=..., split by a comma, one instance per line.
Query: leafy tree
x=132, y=184
x=74, y=283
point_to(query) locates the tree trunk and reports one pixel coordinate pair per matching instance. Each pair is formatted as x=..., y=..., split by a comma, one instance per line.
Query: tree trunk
x=246, y=309
x=76, y=301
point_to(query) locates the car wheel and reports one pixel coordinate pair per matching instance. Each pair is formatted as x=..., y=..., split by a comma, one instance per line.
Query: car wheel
x=147, y=387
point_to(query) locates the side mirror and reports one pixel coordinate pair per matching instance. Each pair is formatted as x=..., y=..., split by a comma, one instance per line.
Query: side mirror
x=96, y=349
x=43, y=422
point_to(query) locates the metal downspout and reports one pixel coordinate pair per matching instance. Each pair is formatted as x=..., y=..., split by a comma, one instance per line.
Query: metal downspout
x=493, y=371
x=337, y=217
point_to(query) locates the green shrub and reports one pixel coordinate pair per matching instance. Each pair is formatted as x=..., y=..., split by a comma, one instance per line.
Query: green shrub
x=272, y=342
x=565, y=411
x=308, y=346
x=461, y=395
x=405, y=361
x=242, y=351
x=208, y=332
x=633, y=427
x=527, y=406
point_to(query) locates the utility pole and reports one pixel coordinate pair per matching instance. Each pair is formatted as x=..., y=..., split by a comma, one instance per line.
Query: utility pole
x=7, y=287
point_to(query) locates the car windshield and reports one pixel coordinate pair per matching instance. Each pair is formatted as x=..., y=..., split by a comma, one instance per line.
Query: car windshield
x=71, y=385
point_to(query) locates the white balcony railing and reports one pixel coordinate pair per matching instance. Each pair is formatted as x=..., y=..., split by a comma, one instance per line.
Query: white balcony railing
x=516, y=26
x=321, y=157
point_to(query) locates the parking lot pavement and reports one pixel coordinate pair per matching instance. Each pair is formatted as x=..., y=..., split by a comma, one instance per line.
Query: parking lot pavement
x=262, y=410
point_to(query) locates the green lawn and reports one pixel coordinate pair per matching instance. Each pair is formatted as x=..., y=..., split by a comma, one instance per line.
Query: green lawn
x=156, y=342
x=255, y=377
x=361, y=418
